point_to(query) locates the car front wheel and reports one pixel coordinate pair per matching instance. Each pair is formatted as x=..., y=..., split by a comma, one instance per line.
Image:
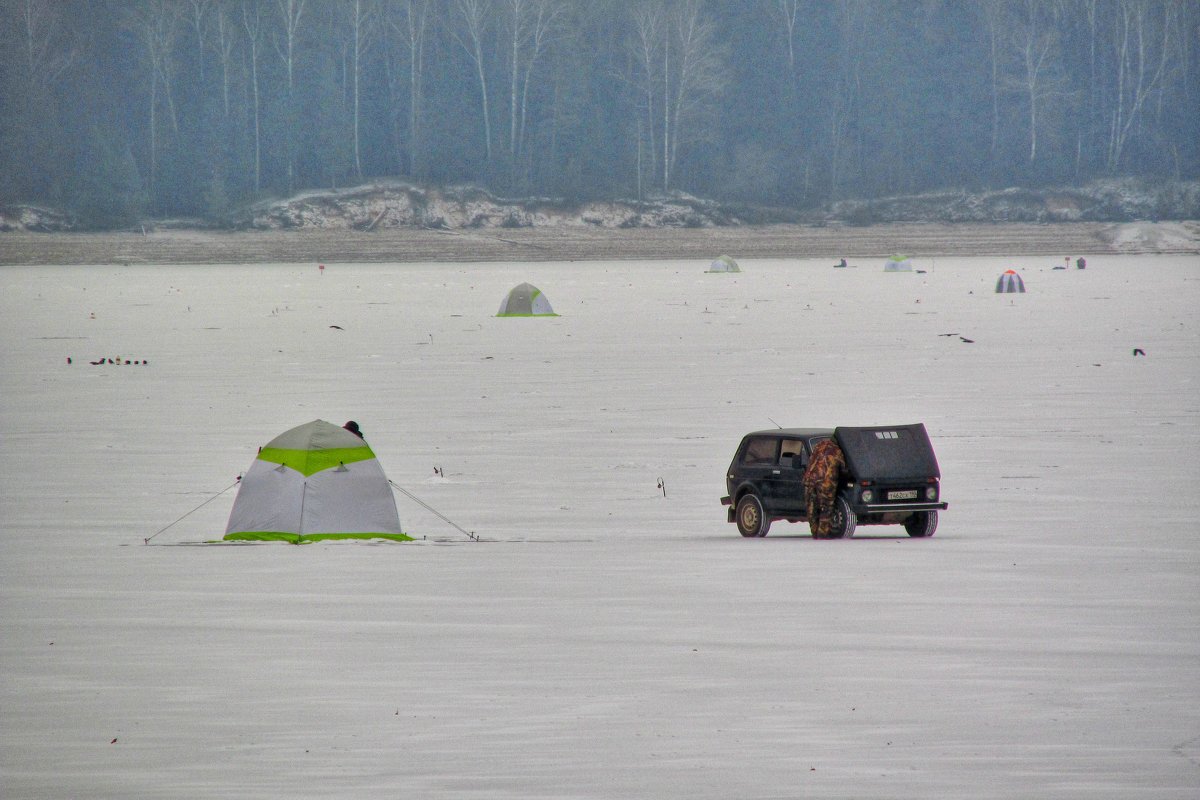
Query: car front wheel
x=751, y=520
x=843, y=520
x=921, y=524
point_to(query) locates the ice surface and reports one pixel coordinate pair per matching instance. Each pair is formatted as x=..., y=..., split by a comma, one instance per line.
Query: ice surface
x=607, y=638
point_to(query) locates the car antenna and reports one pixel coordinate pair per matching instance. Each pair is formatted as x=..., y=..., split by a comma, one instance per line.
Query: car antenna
x=776, y=424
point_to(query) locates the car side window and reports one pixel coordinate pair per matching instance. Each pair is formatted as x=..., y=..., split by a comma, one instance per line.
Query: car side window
x=760, y=451
x=788, y=450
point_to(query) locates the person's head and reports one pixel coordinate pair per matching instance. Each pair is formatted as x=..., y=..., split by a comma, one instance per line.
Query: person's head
x=352, y=426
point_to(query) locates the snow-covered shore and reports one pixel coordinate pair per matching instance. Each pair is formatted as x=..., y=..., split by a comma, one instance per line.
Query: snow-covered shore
x=606, y=638
x=594, y=243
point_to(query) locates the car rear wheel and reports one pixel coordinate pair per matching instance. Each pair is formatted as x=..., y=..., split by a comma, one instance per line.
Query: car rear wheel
x=921, y=524
x=843, y=520
x=751, y=520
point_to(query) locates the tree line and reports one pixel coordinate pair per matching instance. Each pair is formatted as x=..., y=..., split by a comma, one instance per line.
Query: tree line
x=118, y=108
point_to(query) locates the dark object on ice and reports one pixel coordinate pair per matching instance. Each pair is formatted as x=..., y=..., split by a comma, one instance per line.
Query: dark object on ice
x=68, y=359
x=840, y=265
x=338, y=327
x=948, y=334
x=1081, y=263
x=352, y=426
x=891, y=478
x=965, y=339
x=1137, y=351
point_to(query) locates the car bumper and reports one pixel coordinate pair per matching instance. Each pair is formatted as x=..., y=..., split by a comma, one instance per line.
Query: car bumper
x=886, y=508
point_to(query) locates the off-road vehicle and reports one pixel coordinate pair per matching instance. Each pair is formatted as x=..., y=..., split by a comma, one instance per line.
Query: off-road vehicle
x=892, y=478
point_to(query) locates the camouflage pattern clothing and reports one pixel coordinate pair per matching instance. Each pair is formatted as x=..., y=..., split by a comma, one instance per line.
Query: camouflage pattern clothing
x=821, y=479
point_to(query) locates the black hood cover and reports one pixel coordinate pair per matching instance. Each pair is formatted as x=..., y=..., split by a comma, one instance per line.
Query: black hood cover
x=888, y=453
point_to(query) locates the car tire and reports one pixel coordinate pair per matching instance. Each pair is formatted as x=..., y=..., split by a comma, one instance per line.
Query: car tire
x=921, y=524
x=752, y=521
x=843, y=520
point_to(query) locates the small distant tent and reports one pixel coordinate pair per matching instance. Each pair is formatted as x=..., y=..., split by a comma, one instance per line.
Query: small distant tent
x=525, y=300
x=315, y=481
x=898, y=264
x=1010, y=281
x=723, y=264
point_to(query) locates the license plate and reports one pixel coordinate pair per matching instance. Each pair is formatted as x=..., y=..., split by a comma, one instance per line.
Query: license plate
x=907, y=494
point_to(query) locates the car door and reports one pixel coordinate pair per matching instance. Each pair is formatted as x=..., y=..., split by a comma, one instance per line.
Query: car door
x=757, y=464
x=785, y=479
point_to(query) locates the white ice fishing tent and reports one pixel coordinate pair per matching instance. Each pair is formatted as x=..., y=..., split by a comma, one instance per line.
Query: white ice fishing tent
x=898, y=264
x=525, y=300
x=1009, y=282
x=316, y=481
x=723, y=264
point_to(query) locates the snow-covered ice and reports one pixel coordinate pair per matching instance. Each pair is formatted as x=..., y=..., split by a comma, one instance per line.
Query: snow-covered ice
x=606, y=638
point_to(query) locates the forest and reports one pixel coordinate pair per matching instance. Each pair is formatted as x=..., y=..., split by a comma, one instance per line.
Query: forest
x=119, y=109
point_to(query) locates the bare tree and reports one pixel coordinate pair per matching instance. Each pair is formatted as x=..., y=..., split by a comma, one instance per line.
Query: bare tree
x=700, y=78
x=475, y=18
x=787, y=14
x=646, y=44
x=156, y=24
x=200, y=12
x=291, y=13
x=47, y=51
x=225, y=30
x=410, y=20
x=842, y=105
x=363, y=18
x=993, y=15
x=1140, y=71
x=531, y=24
x=253, y=24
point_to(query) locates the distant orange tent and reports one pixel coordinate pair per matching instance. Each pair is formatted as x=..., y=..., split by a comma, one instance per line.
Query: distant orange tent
x=1010, y=281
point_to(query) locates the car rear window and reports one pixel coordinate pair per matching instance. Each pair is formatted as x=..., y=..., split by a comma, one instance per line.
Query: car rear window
x=760, y=451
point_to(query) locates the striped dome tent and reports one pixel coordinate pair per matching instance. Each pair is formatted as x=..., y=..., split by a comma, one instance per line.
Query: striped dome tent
x=315, y=481
x=723, y=264
x=525, y=300
x=898, y=264
x=1010, y=281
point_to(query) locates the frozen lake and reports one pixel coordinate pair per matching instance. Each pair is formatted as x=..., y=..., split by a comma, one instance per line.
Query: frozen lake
x=606, y=637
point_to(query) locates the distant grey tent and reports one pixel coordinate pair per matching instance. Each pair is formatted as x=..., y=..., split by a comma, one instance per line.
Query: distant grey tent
x=723, y=264
x=526, y=300
x=898, y=264
x=1009, y=282
x=315, y=481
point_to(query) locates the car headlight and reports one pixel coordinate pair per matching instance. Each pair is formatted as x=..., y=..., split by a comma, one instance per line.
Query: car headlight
x=931, y=493
x=867, y=495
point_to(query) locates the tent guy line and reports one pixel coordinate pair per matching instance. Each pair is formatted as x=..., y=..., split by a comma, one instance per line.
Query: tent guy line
x=469, y=534
x=194, y=510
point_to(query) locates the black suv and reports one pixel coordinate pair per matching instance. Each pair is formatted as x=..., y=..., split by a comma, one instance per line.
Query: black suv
x=892, y=479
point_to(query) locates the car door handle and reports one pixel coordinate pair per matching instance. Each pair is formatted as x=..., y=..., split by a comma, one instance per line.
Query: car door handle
x=774, y=472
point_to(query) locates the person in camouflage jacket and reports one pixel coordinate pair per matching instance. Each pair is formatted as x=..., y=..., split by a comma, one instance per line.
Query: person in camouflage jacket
x=821, y=479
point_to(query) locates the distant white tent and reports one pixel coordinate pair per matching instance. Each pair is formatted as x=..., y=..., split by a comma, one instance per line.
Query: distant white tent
x=723, y=264
x=1010, y=281
x=525, y=300
x=898, y=264
x=315, y=481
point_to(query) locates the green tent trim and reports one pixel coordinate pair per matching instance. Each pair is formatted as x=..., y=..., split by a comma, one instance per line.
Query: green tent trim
x=310, y=462
x=305, y=538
